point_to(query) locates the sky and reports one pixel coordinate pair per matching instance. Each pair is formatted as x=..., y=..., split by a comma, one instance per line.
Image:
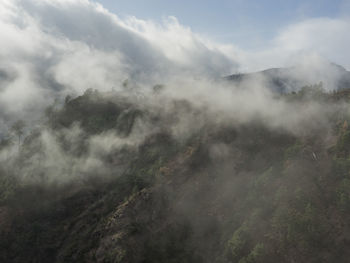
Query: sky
x=245, y=23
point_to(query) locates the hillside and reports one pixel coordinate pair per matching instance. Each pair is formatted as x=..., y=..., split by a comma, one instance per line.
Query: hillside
x=114, y=178
x=284, y=80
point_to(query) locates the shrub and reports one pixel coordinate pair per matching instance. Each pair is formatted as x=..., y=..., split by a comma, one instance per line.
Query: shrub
x=238, y=245
x=343, y=195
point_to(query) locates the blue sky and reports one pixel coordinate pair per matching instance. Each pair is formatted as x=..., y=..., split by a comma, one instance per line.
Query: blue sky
x=246, y=23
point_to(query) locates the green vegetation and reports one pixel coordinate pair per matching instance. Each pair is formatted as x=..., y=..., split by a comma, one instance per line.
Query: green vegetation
x=226, y=193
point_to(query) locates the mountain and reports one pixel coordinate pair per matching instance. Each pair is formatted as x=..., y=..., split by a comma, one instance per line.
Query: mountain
x=114, y=178
x=283, y=80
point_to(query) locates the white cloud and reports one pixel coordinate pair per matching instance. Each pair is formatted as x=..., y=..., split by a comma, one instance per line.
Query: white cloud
x=328, y=37
x=325, y=37
x=49, y=48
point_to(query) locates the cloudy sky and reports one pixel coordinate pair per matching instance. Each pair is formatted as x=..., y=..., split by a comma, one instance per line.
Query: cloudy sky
x=256, y=34
x=249, y=23
x=50, y=47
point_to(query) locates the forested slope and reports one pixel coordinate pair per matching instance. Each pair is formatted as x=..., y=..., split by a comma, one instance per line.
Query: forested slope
x=107, y=178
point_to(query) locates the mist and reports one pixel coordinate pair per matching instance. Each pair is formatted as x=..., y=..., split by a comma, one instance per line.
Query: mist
x=60, y=50
x=51, y=49
x=128, y=140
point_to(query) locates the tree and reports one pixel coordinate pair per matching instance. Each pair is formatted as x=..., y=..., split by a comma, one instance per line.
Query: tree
x=125, y=84
x=158, y=88
x=18, y=129
x=67, y=99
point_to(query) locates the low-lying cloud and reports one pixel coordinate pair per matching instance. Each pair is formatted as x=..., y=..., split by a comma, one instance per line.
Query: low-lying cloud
x=49, y=49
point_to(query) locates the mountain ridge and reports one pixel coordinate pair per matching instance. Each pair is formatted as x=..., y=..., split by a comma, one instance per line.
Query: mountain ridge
x=289, y=79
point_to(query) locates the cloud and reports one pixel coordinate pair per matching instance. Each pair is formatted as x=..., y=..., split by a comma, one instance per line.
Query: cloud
x=51, y=48
x=323, y=37
x=326, y=36
x=145, y=46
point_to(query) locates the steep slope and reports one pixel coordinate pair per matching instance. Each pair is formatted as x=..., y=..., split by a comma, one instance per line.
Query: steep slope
x=224, y=193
